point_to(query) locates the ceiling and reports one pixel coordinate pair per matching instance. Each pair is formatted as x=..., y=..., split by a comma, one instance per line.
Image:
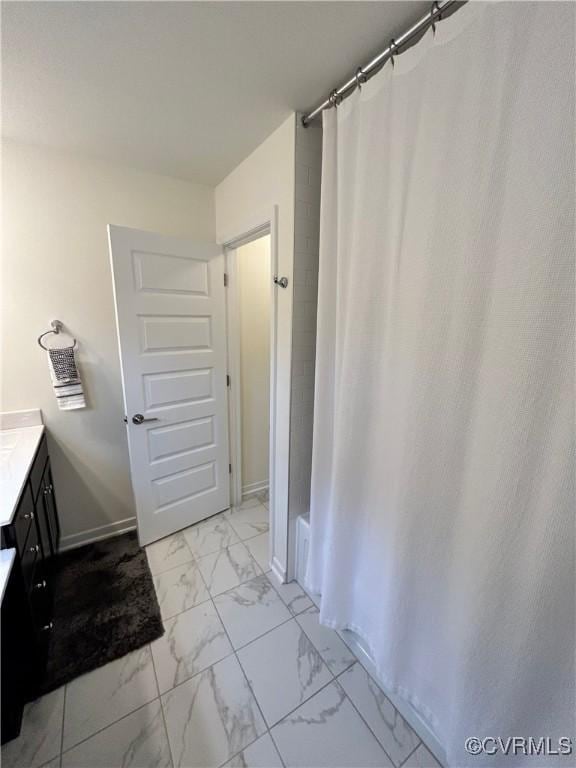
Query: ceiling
x=186, y=89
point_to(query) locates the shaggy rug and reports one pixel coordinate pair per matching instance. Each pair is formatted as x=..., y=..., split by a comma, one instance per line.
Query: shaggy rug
x=104, y=607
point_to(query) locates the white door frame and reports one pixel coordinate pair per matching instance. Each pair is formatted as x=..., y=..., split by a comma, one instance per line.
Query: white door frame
x=258, y=226
x=234, y=361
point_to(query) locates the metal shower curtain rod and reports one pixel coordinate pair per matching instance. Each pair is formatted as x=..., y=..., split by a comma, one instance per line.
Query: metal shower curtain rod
x=364, y=73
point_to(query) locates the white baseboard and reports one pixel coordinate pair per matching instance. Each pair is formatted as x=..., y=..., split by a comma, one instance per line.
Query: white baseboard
x=278, y=571
x=358, y=648
x=75, y=540
x=252, y=488
x=302, y=542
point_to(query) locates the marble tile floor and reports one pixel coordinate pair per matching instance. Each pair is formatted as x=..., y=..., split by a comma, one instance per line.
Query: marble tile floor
x=244, y=676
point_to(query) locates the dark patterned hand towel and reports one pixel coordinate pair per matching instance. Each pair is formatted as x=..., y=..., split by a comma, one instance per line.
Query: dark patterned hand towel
x=66, y=379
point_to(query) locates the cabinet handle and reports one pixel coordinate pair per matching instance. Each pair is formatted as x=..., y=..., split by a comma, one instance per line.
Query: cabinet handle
x=48, y=627
x=29, y=516
x=35, y=548
x=48, y=490
x=41, y=584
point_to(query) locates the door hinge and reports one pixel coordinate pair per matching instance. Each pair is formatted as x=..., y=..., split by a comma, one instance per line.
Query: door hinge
x=225, y=280
x=227, y=380
x=229, y=469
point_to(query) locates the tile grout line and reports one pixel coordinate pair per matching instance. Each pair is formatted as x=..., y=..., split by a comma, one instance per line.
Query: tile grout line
x=63, y=720
x=162, y=707
x=195, y=563
x=231, y=653
x=234, y=543
x=276, y=747
x=318, y=651
x=335, y=679
x=175, y=615
x=359, y=661
x=367, y=724
x=115, y=722
x=210, y=596
x=292, y=618
x=268, y=729
x=411, y=753
x=234, y=650
x=230, y=757
x=257, y=569
x=304, y=701
x=383, y=692
x=172, y=568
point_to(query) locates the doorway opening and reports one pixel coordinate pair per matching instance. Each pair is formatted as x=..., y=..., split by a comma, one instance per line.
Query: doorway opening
x=250, y=309
x=244, y=431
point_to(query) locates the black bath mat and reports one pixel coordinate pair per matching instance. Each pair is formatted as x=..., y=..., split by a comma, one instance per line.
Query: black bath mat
x=104, y=607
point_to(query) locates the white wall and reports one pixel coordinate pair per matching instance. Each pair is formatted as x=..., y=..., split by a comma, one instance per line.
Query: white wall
x=55, y=264
x=253, y=261
x=266, y=178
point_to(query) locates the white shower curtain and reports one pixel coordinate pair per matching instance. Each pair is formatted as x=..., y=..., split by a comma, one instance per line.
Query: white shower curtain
x=442, y=512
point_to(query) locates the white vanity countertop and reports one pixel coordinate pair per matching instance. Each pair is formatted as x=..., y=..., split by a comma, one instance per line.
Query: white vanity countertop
x=17, y=450
x=6, y=560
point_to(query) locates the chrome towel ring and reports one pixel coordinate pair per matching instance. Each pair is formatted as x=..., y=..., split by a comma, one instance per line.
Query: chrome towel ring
x=57, y=327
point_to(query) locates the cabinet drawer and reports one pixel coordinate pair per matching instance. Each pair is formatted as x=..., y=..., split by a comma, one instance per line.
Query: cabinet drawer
x=38, y=467
x=31, y=554
x=23, y=518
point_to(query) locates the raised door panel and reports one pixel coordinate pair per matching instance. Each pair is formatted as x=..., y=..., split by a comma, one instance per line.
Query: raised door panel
x=158, y=272
x=174, y=334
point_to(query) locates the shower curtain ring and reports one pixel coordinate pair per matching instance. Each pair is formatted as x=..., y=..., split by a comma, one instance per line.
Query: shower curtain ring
x=335, y=98
x=360, y=78
x=393, y=50
x=434, y=10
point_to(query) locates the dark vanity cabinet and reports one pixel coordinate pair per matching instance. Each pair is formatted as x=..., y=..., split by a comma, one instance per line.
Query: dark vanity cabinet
x=27, y=606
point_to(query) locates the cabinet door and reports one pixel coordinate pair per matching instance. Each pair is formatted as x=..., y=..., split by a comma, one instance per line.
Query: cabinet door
x=42, y=522
x=23, y=520
x=19, y=657
x=50, y=512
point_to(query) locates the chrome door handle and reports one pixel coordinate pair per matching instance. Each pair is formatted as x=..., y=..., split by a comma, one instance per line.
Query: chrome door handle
x=139, y=419
x=281, y=281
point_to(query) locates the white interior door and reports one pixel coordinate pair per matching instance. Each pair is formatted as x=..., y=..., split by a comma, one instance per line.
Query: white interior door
x=170, y=312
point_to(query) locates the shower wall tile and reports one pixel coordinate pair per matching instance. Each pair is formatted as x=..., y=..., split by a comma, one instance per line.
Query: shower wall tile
x=305, y=300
